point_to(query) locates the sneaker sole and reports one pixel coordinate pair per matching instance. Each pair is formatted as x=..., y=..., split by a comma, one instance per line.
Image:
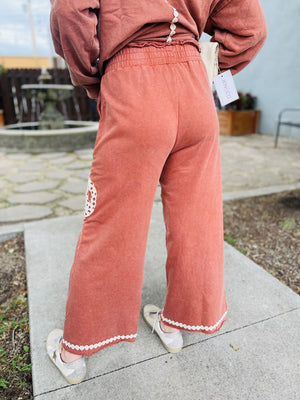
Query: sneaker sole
x=72, y=381
x=146, y=313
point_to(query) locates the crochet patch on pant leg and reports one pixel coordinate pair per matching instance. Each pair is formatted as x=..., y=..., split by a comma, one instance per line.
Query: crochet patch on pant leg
x=91, y=199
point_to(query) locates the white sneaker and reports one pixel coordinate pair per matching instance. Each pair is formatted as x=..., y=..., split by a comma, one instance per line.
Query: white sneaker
x=73, y=372
x=172, y=341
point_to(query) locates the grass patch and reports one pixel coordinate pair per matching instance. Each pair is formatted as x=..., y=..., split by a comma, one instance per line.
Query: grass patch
x=229, y=239
x=233, y=242
x=287, y=224
x=15, y=363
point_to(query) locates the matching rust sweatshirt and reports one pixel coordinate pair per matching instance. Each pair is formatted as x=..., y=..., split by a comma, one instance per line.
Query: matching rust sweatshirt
x=87, y=33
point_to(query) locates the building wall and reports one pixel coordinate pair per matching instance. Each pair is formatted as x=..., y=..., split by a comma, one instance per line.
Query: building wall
x=10, y=62
x=274, y=75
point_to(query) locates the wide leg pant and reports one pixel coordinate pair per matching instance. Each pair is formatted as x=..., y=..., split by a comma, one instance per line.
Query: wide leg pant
x=158, y=123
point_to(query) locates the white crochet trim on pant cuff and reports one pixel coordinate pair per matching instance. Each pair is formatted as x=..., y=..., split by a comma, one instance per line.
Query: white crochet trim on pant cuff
x=194, y=327
x=100, y=344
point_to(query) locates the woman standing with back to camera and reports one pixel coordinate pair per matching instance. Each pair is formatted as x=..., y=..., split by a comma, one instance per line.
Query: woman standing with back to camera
x=141, y=60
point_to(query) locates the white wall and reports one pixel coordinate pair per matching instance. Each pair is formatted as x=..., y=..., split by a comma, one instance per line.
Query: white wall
x=274, y=75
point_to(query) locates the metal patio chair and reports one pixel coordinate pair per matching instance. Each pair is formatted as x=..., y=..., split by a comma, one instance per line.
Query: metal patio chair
x=283, y=121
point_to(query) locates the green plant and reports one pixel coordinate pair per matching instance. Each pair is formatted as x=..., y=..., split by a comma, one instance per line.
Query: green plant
x=288, y=223
x=244, y=102
x=229, y=239
x=2, y=69
x=15, y=362
x=233, y=242
x=3, y=383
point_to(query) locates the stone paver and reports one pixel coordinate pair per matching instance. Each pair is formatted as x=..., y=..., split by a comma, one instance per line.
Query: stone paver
x=53, y=155
x=5, y=163
x=74, y=203
x=296, y=164
x=78, y=165
x=33, y=166
x=4, y=171
x=33, y=198
x=36, y=186
x=63, y=160
x=58, y=174
x=18, y=156
x=74, y=186
x=24, y=177
x=84, y=152
x=85, y=157
x=249, y=163
x=81, y=174
x=24, y=213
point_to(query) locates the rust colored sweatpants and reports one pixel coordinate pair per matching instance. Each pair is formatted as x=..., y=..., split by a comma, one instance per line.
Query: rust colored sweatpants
x=158, y=123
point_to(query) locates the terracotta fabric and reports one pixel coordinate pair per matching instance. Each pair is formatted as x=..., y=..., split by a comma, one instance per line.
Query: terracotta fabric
x=87, y=31
x=158, y=123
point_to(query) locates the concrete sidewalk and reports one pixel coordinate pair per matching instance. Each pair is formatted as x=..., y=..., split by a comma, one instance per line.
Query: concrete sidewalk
x=256, y=354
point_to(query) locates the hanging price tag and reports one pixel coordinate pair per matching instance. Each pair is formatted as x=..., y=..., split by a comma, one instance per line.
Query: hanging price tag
x=225, y=88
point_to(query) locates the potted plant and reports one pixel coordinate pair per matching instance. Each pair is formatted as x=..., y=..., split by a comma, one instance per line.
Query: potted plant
x=240, y=117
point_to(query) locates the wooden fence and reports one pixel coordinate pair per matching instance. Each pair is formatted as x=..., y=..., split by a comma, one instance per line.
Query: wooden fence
x=17, y=108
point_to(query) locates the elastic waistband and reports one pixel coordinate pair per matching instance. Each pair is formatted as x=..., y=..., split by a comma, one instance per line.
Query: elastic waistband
x=153, y=54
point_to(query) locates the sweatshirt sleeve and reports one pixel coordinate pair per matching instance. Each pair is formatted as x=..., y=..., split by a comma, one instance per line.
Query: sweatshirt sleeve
x=240, y=28
x=74, y=29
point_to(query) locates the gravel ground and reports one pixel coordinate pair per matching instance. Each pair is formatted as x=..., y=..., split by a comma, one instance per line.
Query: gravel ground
x=267, y=230
x=15, y=364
